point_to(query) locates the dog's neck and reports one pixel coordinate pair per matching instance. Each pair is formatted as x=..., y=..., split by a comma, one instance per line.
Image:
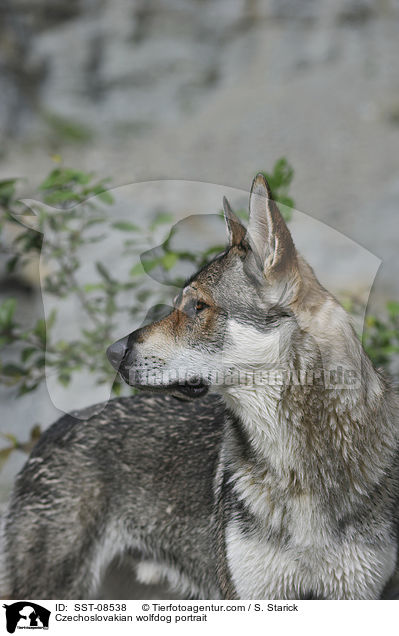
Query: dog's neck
x=310, y=437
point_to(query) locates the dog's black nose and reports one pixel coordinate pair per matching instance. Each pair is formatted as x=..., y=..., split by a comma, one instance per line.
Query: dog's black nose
x=116, y=352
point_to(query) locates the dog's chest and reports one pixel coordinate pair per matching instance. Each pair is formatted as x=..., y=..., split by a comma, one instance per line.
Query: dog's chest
x=294, y=555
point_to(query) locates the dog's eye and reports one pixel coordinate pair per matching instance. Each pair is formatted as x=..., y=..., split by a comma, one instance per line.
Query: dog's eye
x=200, y=305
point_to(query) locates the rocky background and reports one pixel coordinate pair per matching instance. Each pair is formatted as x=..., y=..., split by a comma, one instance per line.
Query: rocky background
x=207, y=91
x=212, y=91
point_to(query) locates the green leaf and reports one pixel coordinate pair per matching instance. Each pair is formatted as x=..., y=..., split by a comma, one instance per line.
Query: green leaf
x=11, y=438
x=106, y=197
x=390, y=349
x=51, y=318
x=27, y=388
x=169, y=260
x=40, y=330
x=12, y=370
x=94, y=221
x=102, y=270
x=126, y=226
x=62, y=176
x=347, y=304
x=55, y=178
x=61, y=196
x=35, y=432
x=64, y=378
x=144, y=267
x=279, y=181
x=242, y=214
x=27, y=353
x=116, y=388
x=7, y=191
x=137, y=270
x=393, y=308
x=40, y=362
x=12, y=263
x=285, y=200
x=282, y=174
x=150, y=264
x=89, y=287
x=7, y=309
x=285, y=209
x=143, y=295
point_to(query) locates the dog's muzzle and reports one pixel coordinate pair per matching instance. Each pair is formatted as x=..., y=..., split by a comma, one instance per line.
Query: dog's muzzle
x=121, y=355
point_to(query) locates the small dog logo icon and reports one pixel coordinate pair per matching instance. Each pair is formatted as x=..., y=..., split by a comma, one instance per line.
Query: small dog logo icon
x=26, y=615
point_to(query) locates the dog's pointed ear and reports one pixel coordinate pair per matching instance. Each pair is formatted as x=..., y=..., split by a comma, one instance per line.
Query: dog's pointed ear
x=235, y=228
x=268, y=235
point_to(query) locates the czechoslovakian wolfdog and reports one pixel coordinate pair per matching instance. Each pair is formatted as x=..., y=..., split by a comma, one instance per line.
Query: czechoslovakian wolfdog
x=280, y=481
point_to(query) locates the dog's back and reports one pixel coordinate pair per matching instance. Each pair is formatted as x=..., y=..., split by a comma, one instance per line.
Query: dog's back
x=139, y=475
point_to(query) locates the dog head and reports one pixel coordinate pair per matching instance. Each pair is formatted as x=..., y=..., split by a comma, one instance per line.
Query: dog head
x=244, y=312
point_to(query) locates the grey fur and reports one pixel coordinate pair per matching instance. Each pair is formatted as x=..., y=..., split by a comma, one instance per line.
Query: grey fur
x=287, y=491
x=145, y=465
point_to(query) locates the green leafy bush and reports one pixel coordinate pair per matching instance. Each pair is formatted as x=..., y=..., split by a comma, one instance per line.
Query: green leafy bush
x=381, y=336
